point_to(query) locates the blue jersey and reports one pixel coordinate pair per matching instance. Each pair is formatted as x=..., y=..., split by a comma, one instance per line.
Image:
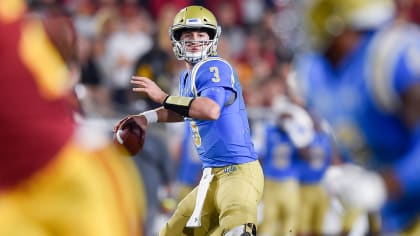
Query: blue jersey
x=312, y=170
x=360, y=98
x=278, y=158
x=227, y=140
x=189, y=168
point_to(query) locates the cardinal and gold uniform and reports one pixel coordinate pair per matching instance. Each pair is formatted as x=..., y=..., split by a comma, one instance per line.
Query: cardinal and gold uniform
x=52, y=182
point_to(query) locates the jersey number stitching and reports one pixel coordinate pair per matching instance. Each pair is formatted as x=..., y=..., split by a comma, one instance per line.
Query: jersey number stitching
x=215, y=72
x=195, y=134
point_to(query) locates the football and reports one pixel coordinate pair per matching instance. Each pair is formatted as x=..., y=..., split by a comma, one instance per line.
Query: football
x=130, y=138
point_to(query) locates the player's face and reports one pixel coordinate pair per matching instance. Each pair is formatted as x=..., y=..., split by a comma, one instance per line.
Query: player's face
x=195, y=40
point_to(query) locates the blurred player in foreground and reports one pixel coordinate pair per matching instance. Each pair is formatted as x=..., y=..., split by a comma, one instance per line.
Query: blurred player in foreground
x=364, y=77
x=212, y=105
x=54, y=180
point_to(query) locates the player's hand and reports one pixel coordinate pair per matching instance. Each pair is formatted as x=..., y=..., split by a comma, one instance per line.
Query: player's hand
x=130, y=133
x=148, y=86
x=140, y=120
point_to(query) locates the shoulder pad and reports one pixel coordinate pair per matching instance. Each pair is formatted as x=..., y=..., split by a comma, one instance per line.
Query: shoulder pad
x=388, y=46
x=213, y=72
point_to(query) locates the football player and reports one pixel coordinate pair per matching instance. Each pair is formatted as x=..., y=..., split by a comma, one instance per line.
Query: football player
x=279, y=161
x=364, y=78
x=210, y=102
x=55, y=179
x=313, y=161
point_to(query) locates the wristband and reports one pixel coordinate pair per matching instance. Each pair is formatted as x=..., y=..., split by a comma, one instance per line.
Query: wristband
x=151, y=116
x=178, y=104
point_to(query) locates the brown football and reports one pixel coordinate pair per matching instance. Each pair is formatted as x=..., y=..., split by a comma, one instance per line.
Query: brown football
x=129, y=138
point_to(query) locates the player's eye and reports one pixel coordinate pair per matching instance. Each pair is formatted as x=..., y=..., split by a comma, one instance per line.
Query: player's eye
x=202, y=35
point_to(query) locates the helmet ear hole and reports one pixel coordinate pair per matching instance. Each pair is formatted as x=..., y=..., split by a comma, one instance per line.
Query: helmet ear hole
x=210, y=32
x=177, y=34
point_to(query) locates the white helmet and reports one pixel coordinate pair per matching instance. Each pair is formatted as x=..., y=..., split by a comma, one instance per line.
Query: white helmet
x=299, y=125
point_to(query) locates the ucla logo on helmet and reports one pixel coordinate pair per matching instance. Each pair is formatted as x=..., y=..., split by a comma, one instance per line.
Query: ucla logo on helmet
x=194, y=21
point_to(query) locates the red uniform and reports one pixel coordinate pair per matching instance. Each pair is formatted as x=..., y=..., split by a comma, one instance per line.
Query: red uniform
x=33, y=126
x=51, y=181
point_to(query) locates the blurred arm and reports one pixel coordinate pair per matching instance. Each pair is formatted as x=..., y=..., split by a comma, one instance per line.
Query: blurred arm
x=405, y=179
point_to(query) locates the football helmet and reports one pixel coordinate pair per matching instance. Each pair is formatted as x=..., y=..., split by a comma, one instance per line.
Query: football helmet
x=199, y=18
x=326, y=19
x=295, y=121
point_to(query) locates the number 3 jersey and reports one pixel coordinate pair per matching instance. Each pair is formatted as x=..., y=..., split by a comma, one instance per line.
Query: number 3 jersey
x=227, y=140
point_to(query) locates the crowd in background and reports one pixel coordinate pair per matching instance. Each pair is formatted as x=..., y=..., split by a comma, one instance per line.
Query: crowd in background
x=120, y=38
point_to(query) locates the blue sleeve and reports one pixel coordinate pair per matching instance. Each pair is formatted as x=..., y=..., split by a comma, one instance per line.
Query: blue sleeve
x=218, y=94
x=406, y=74
x=407, y=68
x=408, y=168
x=214, y=73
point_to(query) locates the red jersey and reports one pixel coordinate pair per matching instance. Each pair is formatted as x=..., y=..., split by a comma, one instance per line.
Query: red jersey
x=35, y=117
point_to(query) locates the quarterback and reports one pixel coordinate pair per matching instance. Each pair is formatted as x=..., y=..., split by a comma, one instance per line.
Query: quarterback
x=210, y=102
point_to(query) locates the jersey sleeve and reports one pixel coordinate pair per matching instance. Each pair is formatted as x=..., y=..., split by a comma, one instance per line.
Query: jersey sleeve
x=213, y=73
x=407, y=169
x=405, y=72
x=407, y=69
x=396, y=54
